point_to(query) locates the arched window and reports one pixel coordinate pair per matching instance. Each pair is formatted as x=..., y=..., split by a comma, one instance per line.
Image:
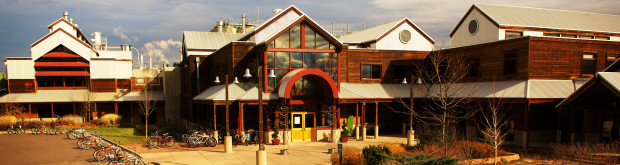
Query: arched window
x=306, y=89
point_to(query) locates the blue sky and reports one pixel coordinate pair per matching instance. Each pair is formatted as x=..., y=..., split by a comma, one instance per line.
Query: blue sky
x=159, y=23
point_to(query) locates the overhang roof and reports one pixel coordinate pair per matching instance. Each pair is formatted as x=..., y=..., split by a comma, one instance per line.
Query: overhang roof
x=611, y=80
x=241, y=91
x=208, y=40
x=56, y=96
x=137, y=96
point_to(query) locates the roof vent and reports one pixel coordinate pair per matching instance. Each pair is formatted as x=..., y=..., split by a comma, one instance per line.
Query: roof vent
x=277, y=11
x=70, y=20
x=65, y=15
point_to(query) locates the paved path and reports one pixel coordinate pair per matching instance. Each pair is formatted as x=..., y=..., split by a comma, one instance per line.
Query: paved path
x=300, y=153
x=42, y=149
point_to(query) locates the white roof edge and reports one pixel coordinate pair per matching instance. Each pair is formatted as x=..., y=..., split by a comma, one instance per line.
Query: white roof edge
x=540, y=27
x=293, y=22
x=418, y=27
x=274, y=16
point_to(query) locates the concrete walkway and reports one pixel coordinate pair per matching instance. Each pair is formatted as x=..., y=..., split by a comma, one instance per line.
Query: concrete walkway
x=300, y=153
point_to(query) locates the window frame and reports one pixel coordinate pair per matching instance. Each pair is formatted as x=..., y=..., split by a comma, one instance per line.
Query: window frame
x=143, y=81
x=476, y=60
x=612, y=61
x=516, y=62
x=588, y=59
x=512, y=31
x=371, y=75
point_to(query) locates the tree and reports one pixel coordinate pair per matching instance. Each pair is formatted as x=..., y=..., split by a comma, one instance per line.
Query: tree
x=88, y=105
x=446, y=97
x=147, y=107
x=493, y=123
x=10, y=108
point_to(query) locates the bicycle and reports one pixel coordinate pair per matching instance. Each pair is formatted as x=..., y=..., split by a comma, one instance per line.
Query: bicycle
x=38, y=129
x=156, y=139
x=78, y=133
x=130, y=159
x=90, y=142
x=108, y=153
x=58, y=129
x=201, y=138
x=15, y=130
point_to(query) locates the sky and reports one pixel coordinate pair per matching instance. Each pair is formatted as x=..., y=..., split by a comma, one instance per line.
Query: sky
x=156, y=27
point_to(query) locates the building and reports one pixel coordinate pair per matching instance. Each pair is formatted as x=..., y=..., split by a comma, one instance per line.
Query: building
x=65, y=72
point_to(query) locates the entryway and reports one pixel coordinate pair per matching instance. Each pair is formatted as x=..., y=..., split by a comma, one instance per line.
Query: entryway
x=303, y=126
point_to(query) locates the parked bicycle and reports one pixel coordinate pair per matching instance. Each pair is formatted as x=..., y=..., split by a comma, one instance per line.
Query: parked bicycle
x=57, y=129
x=130, y=159
x=108, y=153
x=201, y=138
x=78, y=133
x=87, y=143
x=38, y=129
x=15, y=129
x=156, y=140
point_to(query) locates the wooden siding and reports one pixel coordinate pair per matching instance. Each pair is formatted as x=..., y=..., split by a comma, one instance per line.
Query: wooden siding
x=556, y=58
x=124, y=84
x=352, y=60
x=22, y=86
x=103, y=85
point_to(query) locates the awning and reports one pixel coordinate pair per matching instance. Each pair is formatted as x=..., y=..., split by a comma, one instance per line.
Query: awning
x=138, y=96
x=56, y=96
x=61, y=73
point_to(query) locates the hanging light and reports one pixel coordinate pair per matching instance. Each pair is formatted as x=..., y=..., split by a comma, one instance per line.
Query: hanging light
x=247, y=73
x=419, y=81
x=217, y=80
x=272, y=73
x=404, y=80
x=236, y=80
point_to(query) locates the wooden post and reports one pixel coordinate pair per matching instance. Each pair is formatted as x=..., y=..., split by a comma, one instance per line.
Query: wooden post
x=364, y=114
x=260, y=108
x=116, y=108
x=30, y=108
x=227, y=108
x=376, y=113
x=52, y=105
x=527, y=125
x=241, y=116
x=215, y=116
x=74, y=109
x=411, y=104
x=357, y=116
x=95, y=109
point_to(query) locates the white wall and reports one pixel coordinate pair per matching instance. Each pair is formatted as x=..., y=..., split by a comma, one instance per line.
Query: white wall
x=110, y=69
x=64, y=26
x=487, y=31
x=614, y=38
x=60, y=38
x=276, y=26
x=392, y=40
x=116, y=54
x=20, y=69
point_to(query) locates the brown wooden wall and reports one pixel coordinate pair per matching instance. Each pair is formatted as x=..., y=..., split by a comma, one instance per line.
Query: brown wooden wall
x=492, y=58
x=123, y=84
x=555, y=58
x=103, y=85
x=136, y=88
x=22, y=86
x=352, y=60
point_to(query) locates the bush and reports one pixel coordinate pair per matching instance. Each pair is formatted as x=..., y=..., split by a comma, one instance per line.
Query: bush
x=395, y=148
x=6, y=121
x=97, y=122
x=588, y=153
x=375, y=154
x=350, y=156
x=420, y=159
x=69, y=120
x=432, y=137
x=30, y=124
x=111, y=119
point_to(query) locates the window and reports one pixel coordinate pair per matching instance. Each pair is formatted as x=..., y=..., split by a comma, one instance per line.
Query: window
x=611, y=59
x=371, y=71
x=569, y=36
x=513, y=34
x=140, y=81
x=586, y=37
x=510, y=63
x=473, y=67
x=602, y=38
x=551, y=34
x=404, y=71
x=588, y=64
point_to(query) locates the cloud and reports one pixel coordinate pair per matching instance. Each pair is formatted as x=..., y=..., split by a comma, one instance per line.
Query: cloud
x=162, y=50
x=118, y=31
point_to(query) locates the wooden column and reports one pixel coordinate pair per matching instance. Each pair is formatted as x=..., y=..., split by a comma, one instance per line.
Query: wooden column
x=527, y=125
x=116, y=108
x=338, y=111
x=357, y=116
x=364, y=114
x=241, y=116
x=30, y=108
x=376, y=113
x=96, y=110
x=52, y=105
x=73, y=109
x=215, y=116
x=227, y=109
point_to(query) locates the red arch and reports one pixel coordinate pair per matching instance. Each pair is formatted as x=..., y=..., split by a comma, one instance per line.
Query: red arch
x=291, y=77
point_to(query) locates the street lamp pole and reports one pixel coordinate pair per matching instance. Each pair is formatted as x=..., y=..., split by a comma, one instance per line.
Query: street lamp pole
x=260, y=109
x=227, y=138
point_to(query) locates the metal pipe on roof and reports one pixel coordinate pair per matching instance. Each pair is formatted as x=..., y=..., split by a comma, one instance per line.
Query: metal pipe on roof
x=220, y=26
x=65, y=15
x=243, y=22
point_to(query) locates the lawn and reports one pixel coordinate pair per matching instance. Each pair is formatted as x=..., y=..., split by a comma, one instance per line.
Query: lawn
x=118, y=135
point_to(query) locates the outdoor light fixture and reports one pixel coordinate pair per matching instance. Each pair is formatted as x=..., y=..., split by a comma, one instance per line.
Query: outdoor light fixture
x=419, y=81
x=247, y=73
x=236, y=80
x=404, y=80
x=217, y=80
x=272, y=73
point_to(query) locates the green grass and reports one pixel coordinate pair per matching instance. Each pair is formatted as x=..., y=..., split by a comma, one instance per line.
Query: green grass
x=118, y=135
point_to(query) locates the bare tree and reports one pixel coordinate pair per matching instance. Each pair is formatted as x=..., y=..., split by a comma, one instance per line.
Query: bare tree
x=87, y=105
x=11, y=108
x=445, y=95
x=493, y=123
x=147, y=107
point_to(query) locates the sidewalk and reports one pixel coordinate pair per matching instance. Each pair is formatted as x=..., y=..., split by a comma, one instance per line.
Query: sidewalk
x=299, y=153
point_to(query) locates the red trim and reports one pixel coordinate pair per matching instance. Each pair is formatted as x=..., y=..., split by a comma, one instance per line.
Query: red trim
x=61, y=64
x=304, y=102
x=60, y=55
x=62, y=73
x=316, y=73
x=47, y=88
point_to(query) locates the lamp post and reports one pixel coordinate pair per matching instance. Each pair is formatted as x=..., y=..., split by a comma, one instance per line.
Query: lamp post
x=411, y=133
x=227, y=138
x=261, y=154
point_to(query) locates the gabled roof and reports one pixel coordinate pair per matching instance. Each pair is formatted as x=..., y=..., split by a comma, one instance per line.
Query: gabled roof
x=376, y=33
x=546, y=18
x=62, y=19
x=66, y=33
x=209, y=40
x=310, y=22
x=601, y=80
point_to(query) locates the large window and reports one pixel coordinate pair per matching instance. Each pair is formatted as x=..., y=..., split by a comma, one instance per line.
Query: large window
x=371, y=71
x=306, y=89
x=588, y=64
x=473, y=67
x=611, y=59
x=510, y=63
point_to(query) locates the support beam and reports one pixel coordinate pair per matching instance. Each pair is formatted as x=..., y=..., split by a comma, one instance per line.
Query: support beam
x=52, y=105
x=73, y=109
x=116, y=108
x=96, y=110
x=215, y=117
x=376, y=120
x=527, y=126
x=241, y=117
x=357, y=122
x=363, y=121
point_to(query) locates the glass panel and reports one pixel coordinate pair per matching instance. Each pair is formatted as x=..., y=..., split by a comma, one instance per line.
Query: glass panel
x=569, y=35
x=588, y=67
x=270, y=62
x=272, y=44
x=588, y=56
x=366, y=71
x=282, y=60
x=297, y=121
x=309, y=118
x=510, y=35
x=280, y=73
x=296, y=36
x=283, y=41
x=296, y=60
x=322, y=60
x=376, y=71
x=309, y=60
x=271, y=84
x=321, y=43
x=334, y=75
x=334, y=61
x=309, y=38
x=332, y=46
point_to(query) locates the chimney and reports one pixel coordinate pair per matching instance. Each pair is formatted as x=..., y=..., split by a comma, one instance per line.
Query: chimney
x=70, y=20
x=65, y=15
x=277, y=11
x=97, y=40
x=150, y=62
x=142, y=61
x=243, y=22
x=220, y=26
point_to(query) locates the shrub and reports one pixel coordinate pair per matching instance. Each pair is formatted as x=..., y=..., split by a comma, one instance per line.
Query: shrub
x=350, y=156
x=97, y=122
x=69, y=120
x=6, y=121
x=110, y=119
x=588, y=153
x=432, y=137
x=375, y=154
x=30, y=124
x=395, y=148
x=420, y=159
